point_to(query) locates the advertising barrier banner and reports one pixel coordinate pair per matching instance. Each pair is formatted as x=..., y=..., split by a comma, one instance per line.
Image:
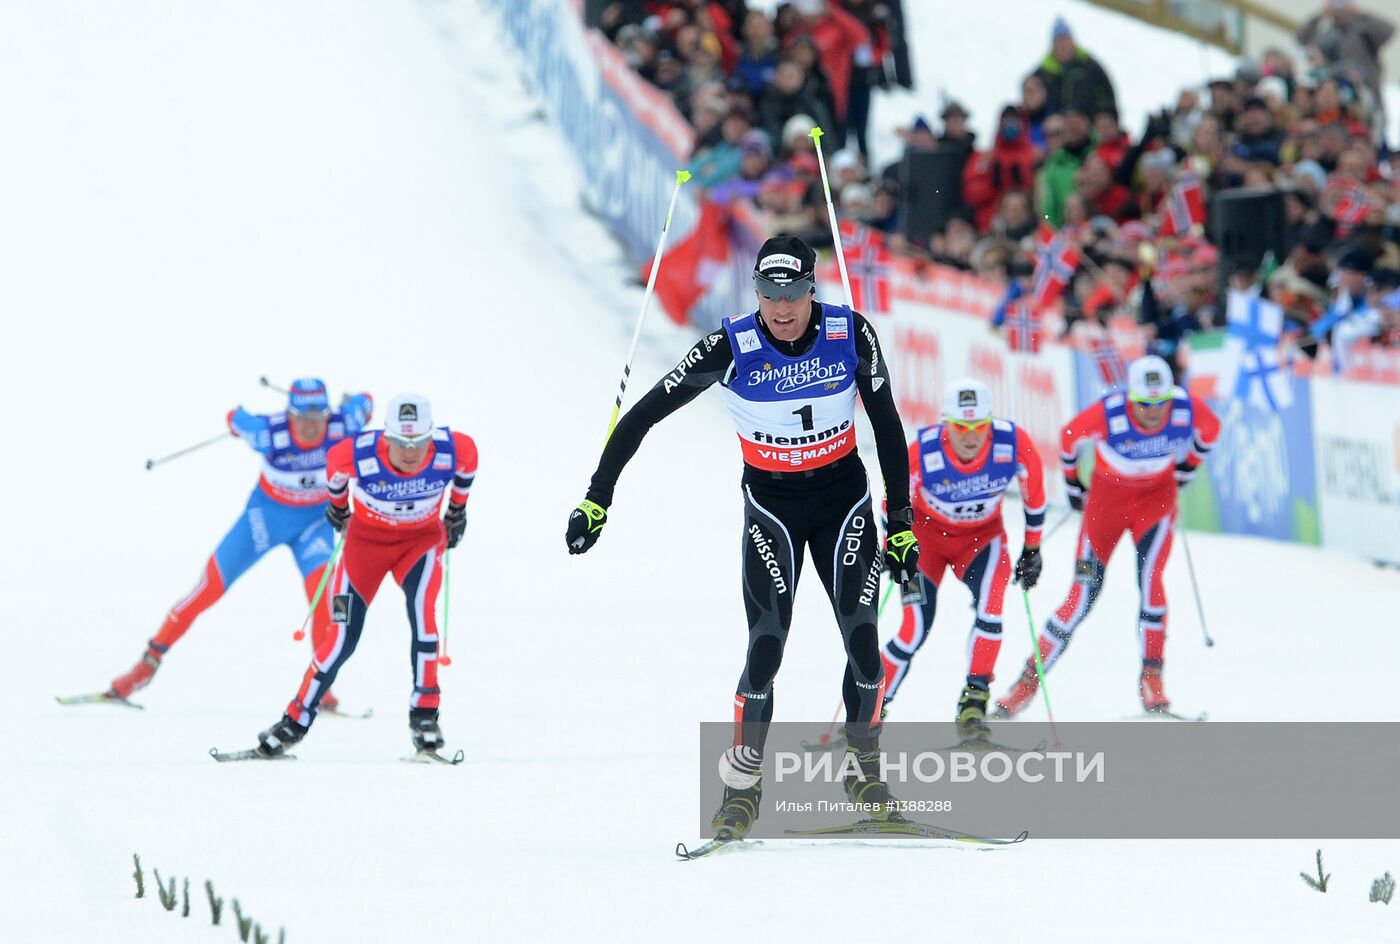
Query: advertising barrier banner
x=1356, y=439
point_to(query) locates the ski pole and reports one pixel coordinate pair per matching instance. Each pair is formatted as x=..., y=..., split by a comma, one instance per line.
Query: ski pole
x=681, y=177
x=443, y=657
x=152, y=463
x=300, y=634
x=831, y=728
x=909, y=589
x=1039, y=665
x=1195, y=587
x=816, y=135
x=272, y=386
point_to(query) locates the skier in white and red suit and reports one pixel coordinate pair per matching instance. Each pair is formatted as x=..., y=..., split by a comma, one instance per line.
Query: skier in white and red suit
x=958, y=471
x=399, y=476
x=1149, y=440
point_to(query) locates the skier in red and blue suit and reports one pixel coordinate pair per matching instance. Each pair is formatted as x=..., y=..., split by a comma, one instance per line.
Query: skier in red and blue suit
x=287, y=508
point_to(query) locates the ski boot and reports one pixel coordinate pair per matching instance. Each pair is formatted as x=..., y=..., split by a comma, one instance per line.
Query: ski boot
x=1015, y=701
x=139, y=677
x=275, y=740
x=1154, y=696
x=736, y=815
x=972, y=714
x=867, y=787
x=427, y=736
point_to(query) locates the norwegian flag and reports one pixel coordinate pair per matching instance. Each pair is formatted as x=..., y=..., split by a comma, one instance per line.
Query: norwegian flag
x=1109, y=362
x=1055, y=262
x=1024, y=328
x=1182, y=208
x=867, y=266
x=1353, y=206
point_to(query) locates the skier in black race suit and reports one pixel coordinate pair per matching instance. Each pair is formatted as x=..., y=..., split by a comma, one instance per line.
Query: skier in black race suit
x=790, y=373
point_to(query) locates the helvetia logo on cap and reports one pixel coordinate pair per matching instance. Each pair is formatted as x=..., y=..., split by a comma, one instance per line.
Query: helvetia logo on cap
x=967, y=398
x=780, y=261
x=408, y=413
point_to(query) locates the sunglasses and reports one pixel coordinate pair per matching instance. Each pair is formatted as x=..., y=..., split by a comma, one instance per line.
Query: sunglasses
x=792, y=291
x=1152, y=401
x=968, y=426
x=408, y=442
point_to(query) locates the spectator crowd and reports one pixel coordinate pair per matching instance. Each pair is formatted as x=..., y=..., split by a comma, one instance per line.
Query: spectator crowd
x=1305, y=122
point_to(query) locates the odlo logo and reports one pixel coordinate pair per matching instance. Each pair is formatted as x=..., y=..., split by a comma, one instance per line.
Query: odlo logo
x=850, y=556
x=340, y=608
x=765, y=554
x=408, y=413
x=967, y=398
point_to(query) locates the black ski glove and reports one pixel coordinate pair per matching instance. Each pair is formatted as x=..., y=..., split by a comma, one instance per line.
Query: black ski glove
x=1028, y=567
x=901, y=548
x=585, y=525
x=456, y=522
x=337, y=516
x=1076, y=493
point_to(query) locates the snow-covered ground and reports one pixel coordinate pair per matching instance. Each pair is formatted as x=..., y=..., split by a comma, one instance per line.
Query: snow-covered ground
x=195, y=195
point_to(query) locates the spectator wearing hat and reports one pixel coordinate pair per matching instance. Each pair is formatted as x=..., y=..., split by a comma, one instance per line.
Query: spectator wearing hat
x=797, y=136
x=1350, y=317
x=1171, y=309
x=956, y=133
x=1257, y=137
x=788, y=96
x=721, y=162
x=1224, y=103
x=1009, y=164
x=755, y=160
x=1072, y=76
x=1347, y=36
x=1056, y=180
x=1153, y=179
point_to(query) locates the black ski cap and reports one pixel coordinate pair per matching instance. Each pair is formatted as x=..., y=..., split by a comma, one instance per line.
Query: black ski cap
x=785, y=259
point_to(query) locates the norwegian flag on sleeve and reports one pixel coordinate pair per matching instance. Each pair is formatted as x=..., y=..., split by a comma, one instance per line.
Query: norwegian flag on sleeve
x=1055, y=262
x=867, y=266
x=1024, y=328
x=1183, y=207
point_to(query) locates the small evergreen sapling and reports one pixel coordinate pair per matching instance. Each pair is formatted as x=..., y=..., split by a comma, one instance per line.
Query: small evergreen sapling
x=1319, y=883
x=245, y=925
x=185, y=910
x=167, y=898
x=139, y=876
x=216, y=905
x=1382, y=888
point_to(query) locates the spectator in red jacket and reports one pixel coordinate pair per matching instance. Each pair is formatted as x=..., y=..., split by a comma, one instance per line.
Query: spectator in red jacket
x=1113, y=140
x=842, y=40
x=1008, y=165
x=1102, y=196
